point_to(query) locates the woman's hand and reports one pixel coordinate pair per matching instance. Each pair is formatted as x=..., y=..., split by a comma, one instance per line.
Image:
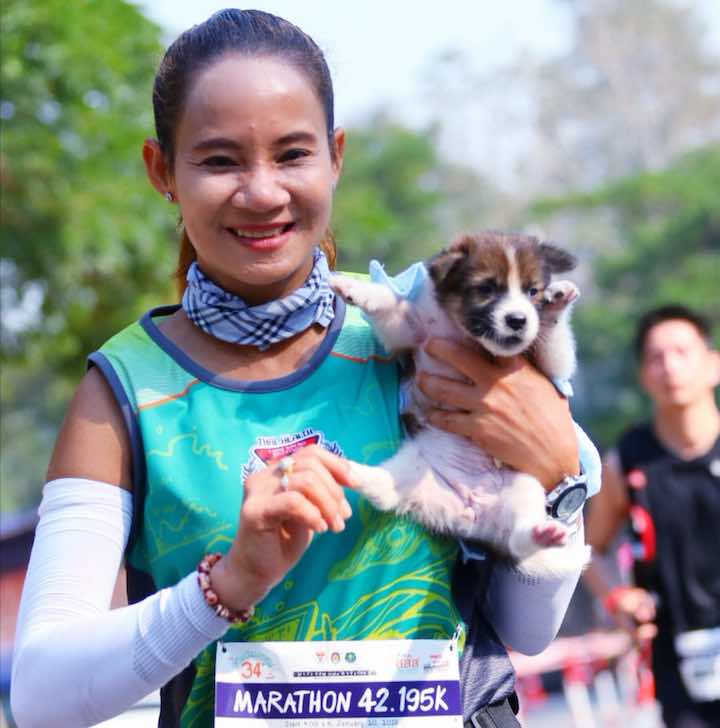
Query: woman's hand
x=277, y=523
x=509, y=409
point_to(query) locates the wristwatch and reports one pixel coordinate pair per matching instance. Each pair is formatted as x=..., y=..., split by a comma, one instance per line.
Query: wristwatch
x=566, y=499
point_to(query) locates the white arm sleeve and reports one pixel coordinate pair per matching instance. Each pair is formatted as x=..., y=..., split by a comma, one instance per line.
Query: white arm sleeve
x=76, y=662
x=527, y=612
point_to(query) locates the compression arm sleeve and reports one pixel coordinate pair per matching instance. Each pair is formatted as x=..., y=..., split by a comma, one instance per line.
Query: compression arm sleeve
x=77, y=662
x=527, y=612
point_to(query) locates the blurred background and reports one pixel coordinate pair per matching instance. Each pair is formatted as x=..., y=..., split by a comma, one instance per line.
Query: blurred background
x=595, y=124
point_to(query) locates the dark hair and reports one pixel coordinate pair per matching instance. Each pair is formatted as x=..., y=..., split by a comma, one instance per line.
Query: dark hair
x=669, y=312
x=250, y=33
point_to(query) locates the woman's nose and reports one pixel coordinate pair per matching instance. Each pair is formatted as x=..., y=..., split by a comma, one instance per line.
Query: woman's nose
x=260, y=190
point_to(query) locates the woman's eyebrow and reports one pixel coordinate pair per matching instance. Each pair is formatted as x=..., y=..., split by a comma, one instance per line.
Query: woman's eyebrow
x=215, y=143
x=295, y=137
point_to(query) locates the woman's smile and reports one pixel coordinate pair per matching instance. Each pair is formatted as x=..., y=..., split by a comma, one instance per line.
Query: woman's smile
x=263, y=237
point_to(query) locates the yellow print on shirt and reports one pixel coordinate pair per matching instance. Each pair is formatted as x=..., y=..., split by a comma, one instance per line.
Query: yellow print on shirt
x=197, y=448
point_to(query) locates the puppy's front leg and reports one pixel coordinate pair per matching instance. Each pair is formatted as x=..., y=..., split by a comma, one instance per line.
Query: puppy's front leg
x=554, y=350
x=393, y=318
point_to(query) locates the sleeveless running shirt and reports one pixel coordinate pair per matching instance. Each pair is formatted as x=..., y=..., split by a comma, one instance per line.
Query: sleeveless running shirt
x=196, y=436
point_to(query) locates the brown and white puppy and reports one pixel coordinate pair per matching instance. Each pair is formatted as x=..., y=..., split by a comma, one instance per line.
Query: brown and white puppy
x=492, y=290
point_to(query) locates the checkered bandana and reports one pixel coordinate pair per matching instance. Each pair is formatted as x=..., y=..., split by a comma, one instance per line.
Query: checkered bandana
x=226, y=316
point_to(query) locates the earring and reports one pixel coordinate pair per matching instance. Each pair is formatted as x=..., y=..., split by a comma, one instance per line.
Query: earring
x=169, y=196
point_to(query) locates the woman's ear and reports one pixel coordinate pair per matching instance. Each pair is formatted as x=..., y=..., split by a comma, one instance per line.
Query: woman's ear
x=338, y=152
x=157, y=168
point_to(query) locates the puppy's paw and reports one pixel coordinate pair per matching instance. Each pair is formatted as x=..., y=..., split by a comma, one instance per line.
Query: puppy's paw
x=522, y=543
x=370, y=297
x=347, y=288
x=376, y=484
x=550, y=533
x=559, y=295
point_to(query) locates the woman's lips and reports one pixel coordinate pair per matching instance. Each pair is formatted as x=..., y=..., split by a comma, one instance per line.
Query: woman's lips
x=262, y=237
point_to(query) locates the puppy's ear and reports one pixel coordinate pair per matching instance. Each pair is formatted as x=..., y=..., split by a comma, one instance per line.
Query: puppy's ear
x=556, y=259
x=445, y=261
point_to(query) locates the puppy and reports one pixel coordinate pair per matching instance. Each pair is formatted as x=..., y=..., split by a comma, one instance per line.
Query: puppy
x=492, y=290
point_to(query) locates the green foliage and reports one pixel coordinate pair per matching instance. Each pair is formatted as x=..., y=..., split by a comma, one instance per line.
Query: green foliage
x=76, y=88
x=669, y=222
x=80, y=223
x=387, y=204
x=84, y=228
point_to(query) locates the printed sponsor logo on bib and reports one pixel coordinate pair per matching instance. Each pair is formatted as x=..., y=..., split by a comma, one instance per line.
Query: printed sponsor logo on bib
x=388, y=684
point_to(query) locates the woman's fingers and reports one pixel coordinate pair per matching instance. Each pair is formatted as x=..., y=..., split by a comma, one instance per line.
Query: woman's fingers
x=316, y=485
x=312, y=474
x=459, y=423
x=338, y=467
x=449, y=392
x=292, y=505
x=510, y=409
x=475, y=365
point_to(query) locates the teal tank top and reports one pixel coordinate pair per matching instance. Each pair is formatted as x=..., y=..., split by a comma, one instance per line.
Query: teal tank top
x=196, y=436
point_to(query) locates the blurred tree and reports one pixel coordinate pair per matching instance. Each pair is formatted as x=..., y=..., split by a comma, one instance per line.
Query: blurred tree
x=670, y=222
x=637, y=85
x=398, y=200
x=85, y=242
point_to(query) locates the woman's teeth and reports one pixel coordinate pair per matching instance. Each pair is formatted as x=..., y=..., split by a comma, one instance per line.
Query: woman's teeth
x=259, y=235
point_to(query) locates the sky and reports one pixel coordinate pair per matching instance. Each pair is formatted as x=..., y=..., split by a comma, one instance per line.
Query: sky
x=378, y=50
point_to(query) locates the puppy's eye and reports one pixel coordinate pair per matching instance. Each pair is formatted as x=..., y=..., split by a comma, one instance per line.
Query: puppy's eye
x=533, y=291
x=486, y=288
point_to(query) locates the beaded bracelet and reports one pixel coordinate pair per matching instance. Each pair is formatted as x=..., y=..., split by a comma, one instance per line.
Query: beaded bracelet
x=203, y=572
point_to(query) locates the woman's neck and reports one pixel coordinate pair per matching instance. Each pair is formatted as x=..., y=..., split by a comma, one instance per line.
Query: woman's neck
x=238, y=361
x=691, y=430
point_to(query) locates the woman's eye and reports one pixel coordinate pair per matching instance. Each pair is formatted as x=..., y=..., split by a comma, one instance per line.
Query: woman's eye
x=291, y=155
x=218, y=160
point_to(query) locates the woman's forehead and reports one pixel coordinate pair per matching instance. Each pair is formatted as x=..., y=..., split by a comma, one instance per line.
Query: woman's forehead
x=252, y=91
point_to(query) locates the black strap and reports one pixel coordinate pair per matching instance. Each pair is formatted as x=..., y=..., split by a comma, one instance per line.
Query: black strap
x=498, y=715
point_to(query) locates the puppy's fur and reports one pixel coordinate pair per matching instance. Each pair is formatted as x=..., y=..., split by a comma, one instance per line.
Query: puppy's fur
x=492, y=290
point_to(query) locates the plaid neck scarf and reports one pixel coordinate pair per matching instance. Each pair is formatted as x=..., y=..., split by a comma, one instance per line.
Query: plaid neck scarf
x=227, y=317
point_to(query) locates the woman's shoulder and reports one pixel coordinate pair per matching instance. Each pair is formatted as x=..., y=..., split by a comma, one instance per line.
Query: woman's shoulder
x=93, y=440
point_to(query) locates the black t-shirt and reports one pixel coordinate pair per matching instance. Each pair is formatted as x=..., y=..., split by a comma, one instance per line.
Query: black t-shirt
x=677, y=548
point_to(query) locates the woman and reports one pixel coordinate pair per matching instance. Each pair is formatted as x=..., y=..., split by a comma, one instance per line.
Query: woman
x=243, y=403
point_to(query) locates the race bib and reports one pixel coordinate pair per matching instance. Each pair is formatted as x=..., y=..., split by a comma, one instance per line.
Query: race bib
x=699, y=655
x=385, y=684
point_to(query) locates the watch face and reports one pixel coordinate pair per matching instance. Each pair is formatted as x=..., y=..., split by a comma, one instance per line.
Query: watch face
x=570, y=501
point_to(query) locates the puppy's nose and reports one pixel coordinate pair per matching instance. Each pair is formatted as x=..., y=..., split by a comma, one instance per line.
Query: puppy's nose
x=516, y=321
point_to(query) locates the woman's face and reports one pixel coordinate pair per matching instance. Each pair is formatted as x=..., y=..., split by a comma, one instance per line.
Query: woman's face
x=254, y=175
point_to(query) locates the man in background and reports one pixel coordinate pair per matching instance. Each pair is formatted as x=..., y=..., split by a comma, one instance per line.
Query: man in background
x=663, y=479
